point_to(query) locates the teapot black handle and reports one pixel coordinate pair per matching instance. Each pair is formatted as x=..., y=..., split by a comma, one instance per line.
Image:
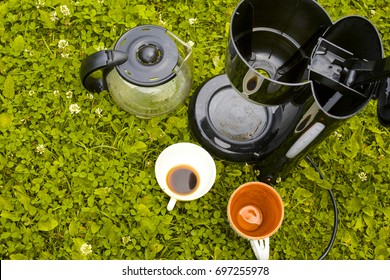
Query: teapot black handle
x=101, y=60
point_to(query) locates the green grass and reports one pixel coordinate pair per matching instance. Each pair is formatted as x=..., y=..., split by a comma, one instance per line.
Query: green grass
x=88, y=177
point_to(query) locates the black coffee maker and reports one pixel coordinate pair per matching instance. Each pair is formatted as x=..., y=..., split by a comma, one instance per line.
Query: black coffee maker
x=292, y=78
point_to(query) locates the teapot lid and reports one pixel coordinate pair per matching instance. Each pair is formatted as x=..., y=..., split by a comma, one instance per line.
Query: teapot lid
x=152, y=56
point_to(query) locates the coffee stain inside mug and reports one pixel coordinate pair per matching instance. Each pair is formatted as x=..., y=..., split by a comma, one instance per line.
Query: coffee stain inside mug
x=183, y=179
x=249, y=218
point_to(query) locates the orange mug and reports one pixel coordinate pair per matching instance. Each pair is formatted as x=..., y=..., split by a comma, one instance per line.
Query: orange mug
x=255, y=212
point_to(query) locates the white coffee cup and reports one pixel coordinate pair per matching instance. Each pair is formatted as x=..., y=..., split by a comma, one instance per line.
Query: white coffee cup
x=190, y=157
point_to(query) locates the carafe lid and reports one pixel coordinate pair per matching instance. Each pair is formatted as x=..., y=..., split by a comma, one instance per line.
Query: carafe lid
x=152, y=56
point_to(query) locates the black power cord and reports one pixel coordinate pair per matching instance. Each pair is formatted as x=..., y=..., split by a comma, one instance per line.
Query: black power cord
x=336, y=222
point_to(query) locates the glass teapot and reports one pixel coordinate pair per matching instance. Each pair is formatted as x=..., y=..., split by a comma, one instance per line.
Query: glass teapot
x=148, y=73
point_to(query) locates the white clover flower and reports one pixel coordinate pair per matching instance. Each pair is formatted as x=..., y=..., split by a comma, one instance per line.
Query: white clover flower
x=90, y=95
x=65, y=55
x=69, y=94
x=191, y=43
x=31, y=92
x=98, y=112
x=362, y=176
x=74, y=109
x=56, y=92
x=53, y=16
x=100, y=48
x=192, y=21
x=62, y=44
x=126, y=239
x=100, y=1
x=216, y=60
x=65, y=10
x=161, y=20
x=30, y=53
x=40, y=149
x=86, y=249
x=40, y=4
x=337, y=135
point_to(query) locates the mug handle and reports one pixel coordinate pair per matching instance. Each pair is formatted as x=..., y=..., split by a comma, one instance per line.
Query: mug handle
x=101, y=60
x=261, y=248
x=171, y=204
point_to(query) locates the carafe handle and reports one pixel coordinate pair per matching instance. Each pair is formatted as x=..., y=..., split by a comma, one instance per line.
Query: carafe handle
x=102, y=60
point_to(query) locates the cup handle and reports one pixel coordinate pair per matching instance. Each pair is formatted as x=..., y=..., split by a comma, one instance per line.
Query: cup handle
x=171, y=204
x=261, y=248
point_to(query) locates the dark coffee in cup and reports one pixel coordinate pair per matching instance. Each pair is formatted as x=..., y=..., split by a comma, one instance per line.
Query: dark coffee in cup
x=185, y=171
x=183, y=179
